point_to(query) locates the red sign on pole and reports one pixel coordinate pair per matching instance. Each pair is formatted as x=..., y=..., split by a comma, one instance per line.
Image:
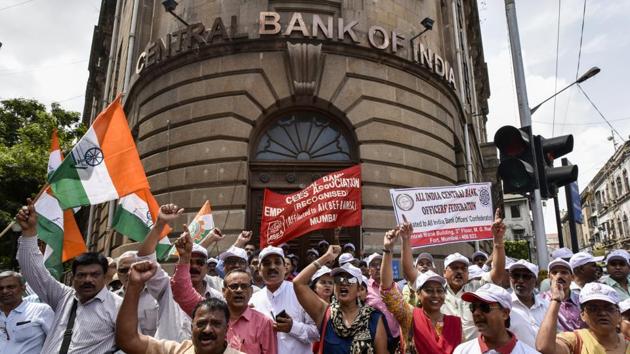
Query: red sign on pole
x=331, y=201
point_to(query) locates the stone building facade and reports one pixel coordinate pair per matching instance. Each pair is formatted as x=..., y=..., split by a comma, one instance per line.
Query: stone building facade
x=250, y=95
x=606, y=205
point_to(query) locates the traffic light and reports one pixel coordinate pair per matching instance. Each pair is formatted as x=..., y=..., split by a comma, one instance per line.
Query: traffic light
x=516, y=167
x=549, y=177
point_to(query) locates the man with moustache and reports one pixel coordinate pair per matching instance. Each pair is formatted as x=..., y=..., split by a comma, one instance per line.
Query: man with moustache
x=85, y=314
x=209, y=322
x=618, y=268
x=561, y=274
x=490, y=306
x=23, y=324
x=277, y=300
x=584, y=270
x=456, y=275
x=177, y=322
x=249, y=331
x=528, y=309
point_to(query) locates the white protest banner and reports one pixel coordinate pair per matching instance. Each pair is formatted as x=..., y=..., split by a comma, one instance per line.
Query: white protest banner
x=442, y=215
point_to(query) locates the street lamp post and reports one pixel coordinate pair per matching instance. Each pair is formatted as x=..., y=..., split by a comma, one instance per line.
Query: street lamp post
x=587, y=75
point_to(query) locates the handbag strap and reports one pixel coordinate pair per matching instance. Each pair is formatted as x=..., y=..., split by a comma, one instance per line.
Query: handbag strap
x=323, y=334
x=67, y=334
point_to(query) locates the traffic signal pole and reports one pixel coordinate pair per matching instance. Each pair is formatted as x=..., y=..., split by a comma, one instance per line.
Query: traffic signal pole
x=526, y=121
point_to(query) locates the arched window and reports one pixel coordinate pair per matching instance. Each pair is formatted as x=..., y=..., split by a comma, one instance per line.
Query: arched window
x=304, y=136
x=625, y=181
x=626, y=231
x=619, y=187
x=598, y=200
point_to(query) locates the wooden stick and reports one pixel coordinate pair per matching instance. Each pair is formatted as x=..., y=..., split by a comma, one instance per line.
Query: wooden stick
x=6, y=229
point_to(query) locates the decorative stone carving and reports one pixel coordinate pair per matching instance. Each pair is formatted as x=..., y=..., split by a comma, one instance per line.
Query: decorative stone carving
x=305, y=62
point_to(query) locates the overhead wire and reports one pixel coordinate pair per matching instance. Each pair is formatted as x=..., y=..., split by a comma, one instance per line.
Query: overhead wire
x=555, y=87
x=15, y=5
x=600, y=112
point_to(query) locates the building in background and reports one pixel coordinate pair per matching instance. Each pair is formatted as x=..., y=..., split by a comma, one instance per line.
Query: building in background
x=553, y=242
x=248, y=95
x=606, y=205
x=518, y=220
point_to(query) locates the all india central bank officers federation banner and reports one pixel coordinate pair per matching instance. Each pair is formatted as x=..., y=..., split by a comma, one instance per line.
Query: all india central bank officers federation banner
x=442, y=215
x=331, y=201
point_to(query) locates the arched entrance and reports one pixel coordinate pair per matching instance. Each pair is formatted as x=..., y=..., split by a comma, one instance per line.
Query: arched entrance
x=291, y=149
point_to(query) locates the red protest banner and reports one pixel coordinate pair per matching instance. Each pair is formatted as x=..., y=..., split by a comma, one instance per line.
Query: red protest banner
x=331, y=201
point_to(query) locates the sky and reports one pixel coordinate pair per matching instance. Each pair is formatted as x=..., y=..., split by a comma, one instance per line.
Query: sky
x=46, y=46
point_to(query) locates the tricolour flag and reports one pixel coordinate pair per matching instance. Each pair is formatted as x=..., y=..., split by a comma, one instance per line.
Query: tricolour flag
x=201, y=225
x=104, y=164
x=135, y=215
x=57, y=227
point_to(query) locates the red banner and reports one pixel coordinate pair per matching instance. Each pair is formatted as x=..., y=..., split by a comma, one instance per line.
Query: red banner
x=331, y=201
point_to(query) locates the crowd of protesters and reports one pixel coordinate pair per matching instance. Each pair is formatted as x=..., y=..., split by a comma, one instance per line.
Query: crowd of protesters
x=259, y=301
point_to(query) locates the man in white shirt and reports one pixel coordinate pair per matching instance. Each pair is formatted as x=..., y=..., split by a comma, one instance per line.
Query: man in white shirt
x=295, y=329
x=23, y=324
x=490, y=306
x=148, y=308
x=528, y=309
x=88, y=302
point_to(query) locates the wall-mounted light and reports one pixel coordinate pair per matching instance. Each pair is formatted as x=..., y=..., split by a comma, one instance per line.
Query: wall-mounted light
x=170, y=6
x=427, y=23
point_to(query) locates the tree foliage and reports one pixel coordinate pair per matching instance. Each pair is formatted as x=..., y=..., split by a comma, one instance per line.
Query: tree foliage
x=25, y=130
x=517, y=249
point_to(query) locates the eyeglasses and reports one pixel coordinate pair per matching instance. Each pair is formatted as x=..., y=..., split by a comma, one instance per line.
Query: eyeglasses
x=198, y=261
x=346, y=280
x=592, y=308
x=234, y=261
x=242, y=286
x=524, y=276
x=123, y=270
x=485, y=308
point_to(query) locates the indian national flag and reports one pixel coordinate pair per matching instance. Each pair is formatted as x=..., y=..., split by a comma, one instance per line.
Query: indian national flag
x=201, y=225
x=55, y=226
x=104, y=164
x=135, y=215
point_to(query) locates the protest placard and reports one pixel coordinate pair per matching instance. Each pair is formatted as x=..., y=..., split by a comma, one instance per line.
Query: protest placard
x=442, y=215
x=331, y=201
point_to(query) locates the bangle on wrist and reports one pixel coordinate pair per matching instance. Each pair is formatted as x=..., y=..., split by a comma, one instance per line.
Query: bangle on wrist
x=317, y=265
x=385, y=250
x=557, y=300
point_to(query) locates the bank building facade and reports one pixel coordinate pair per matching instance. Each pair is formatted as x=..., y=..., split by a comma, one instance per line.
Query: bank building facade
x=227, y=98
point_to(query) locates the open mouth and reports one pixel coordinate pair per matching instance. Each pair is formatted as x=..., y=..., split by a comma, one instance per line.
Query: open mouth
x=206, y=339
x=343, y=291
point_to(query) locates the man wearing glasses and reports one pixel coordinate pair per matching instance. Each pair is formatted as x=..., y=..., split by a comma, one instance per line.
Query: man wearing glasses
x=248, y=331
x=147, y=306
x=528, y=309
x=490, y=306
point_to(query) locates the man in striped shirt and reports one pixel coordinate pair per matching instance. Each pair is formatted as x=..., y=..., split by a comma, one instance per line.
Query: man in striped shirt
x=92, y=307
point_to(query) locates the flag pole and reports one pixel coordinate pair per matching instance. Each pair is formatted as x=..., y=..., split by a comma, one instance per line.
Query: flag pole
x=6, y=229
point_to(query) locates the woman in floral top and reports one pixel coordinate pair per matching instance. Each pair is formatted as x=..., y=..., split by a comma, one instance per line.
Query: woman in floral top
x=426, y=329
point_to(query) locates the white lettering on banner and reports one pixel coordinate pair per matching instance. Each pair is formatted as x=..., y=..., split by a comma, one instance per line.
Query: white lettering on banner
x=445, y=214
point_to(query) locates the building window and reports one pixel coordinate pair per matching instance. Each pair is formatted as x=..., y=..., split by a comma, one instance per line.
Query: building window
x=625, y=180
x=619, y=228
x=515, y=211
x=626, y=231
x=619, y=187
x=598, y=200
x=519, y=235
x=303, y=136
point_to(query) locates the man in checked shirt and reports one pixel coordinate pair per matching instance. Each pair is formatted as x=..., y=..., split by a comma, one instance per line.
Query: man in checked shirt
x=95, y=308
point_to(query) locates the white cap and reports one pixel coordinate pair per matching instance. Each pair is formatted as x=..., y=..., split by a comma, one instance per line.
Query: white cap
x=560, y=262
x=562, y=253
x=345, y=258
x=312, y=250
x=269, y=250
x=624, y=305
x=455, y=257
x=479, y=253
x=618, y=254
x=321, y=271
x=580, y=259
x=350, y=269
x=428, y=276
x=508, y=262
x=490, y=293
x=364, y=280
x=474, y=271
x=197, y=248
x=234, y=251
x=523, y=264
x=349, y=245
x=427, y=256
x=597, y=291
x=372, y=257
